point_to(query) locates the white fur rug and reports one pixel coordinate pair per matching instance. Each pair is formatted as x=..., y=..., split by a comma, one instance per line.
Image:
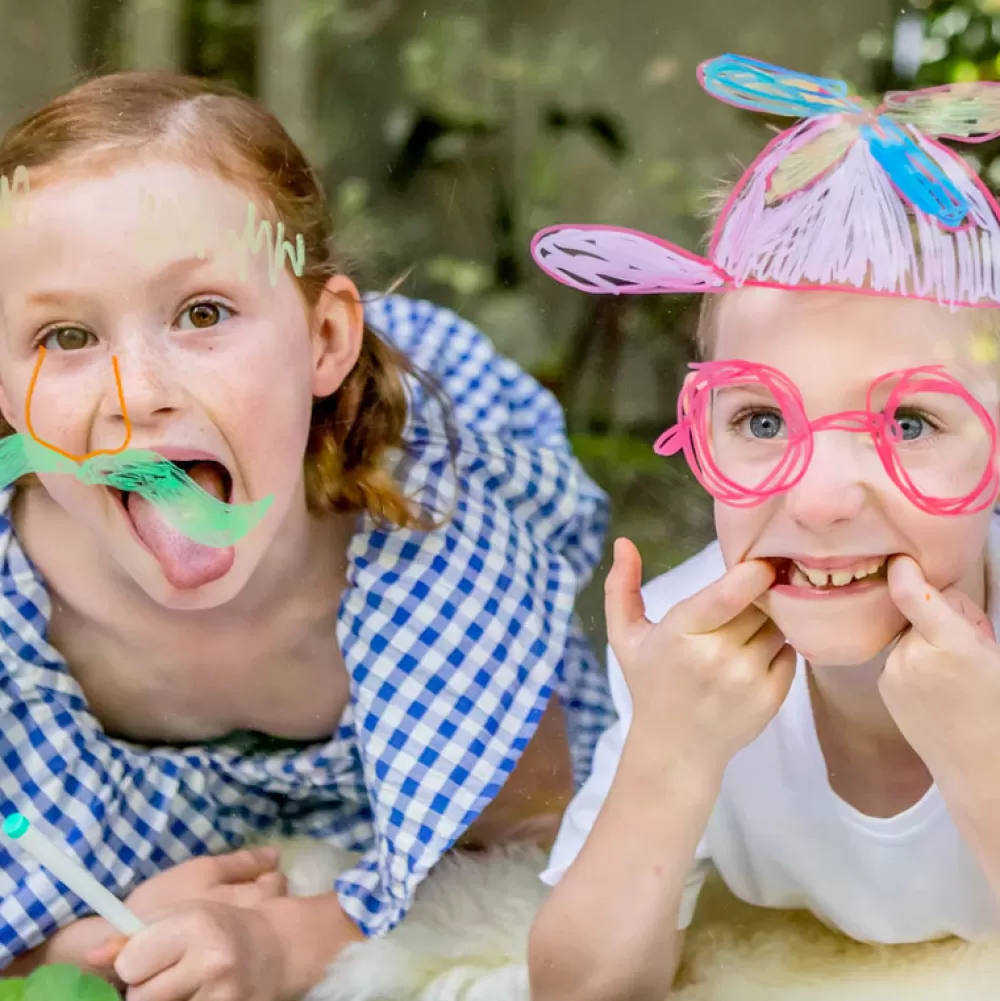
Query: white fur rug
x=465, y=939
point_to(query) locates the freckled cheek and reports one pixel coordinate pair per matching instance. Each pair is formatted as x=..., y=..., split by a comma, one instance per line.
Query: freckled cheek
x=61, y=411
x=266, y=426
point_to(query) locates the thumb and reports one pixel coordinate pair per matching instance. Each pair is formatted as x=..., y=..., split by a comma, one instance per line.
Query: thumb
x=623, y=604
x=246, y=865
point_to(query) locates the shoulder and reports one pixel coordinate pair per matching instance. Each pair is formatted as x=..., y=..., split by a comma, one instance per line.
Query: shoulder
x=688, y=578
x=434, y=338
x=416, y=325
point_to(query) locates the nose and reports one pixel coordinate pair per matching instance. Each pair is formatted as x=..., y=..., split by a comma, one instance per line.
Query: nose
x=833, y=488
x=145, y=389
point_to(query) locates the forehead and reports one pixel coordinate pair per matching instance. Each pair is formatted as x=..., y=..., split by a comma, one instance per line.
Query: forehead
x=839, y=334
x=93, y=221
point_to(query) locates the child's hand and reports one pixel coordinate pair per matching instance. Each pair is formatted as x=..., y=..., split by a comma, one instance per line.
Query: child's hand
x=941, y=682
x=244, y=878
x=203, y=951
x=709, y=677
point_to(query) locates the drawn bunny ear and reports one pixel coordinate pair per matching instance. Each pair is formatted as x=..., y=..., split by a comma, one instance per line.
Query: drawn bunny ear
x=966, y=112
x=759, y=86
x=616, y=261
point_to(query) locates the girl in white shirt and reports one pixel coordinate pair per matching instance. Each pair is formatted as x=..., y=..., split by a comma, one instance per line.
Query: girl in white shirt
x=812, y=703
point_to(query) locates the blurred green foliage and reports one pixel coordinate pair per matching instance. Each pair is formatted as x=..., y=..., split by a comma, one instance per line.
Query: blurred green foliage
x=936, y=42
x=58, y=982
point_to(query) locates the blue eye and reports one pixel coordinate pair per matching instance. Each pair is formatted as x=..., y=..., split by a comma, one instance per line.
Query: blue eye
x=204, y=314
x=764, y=425
x=67, y=339
x=913, y=425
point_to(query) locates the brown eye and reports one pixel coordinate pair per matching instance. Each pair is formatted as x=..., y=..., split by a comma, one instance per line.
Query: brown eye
x=67, y=339
x=201, y=315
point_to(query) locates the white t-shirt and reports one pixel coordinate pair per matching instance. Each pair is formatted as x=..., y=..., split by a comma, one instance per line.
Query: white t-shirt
x=781, y=837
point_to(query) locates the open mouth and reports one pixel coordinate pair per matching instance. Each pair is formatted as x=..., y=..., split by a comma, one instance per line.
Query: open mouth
x=792, y=574
x=184, y=562
x=212, y=476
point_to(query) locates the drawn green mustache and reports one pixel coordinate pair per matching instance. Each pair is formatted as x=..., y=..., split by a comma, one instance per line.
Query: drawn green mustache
x=182, y=504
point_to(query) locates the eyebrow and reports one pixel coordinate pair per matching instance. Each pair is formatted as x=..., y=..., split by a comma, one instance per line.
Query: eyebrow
x=56, y=297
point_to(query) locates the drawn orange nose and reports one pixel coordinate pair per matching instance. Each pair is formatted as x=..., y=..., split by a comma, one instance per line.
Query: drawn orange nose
x=69, y=455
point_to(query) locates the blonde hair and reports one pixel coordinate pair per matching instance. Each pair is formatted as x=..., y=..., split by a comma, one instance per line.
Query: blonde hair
x=202, y=124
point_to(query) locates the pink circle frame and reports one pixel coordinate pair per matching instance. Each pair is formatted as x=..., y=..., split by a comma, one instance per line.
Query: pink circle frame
x=691, y=432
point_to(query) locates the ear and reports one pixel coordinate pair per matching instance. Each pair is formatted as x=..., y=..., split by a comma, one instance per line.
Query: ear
x=337, y=333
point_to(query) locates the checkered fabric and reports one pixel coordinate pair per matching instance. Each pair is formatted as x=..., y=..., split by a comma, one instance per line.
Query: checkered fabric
x=454, y=638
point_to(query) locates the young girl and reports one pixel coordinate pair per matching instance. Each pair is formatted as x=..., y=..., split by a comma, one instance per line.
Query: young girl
x=810, y=703
x=370, y=663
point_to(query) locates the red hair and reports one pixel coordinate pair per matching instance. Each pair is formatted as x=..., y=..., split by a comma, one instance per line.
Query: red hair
x=203, y=124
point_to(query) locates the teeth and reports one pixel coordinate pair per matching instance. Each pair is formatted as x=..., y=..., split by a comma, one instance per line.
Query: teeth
x=869, y=570
x=818, y=578
x=838, y=578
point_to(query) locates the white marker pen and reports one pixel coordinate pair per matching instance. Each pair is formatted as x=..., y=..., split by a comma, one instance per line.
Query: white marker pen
x=70, y=873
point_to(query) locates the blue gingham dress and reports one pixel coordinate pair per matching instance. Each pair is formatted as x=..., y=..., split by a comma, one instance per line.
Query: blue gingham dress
x=454, y=639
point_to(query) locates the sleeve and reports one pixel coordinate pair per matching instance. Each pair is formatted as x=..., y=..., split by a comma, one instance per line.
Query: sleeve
x=124, y=811
x=455, y=638
x=582, y=812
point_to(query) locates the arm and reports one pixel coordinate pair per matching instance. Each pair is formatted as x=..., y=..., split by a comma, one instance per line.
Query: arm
x=609, y=928
x=690, y=690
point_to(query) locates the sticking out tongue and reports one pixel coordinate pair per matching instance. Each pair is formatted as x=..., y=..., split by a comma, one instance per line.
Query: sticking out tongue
x=185, y=563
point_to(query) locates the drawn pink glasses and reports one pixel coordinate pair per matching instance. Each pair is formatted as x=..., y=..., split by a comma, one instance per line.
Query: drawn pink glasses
x=744, y=432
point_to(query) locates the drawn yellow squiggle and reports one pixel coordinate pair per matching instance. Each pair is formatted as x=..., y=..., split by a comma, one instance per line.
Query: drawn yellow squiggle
x=157, y=224
x=11, y=192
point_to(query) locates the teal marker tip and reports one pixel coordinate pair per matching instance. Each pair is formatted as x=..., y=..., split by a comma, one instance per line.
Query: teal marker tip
x=16, y=825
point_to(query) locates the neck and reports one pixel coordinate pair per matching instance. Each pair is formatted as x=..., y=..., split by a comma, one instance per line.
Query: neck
x=848, y=696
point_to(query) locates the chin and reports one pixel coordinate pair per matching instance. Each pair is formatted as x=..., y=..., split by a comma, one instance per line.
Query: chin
x=835, y=643
x=836, y=632
x=822, y=649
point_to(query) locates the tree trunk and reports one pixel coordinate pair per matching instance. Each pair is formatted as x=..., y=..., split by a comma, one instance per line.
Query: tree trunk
x=38, y=54
x=286, y=69
x=152, y=34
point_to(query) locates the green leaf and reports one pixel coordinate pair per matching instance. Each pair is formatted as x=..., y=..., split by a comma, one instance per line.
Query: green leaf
x=62, y=982
x=12, y=989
